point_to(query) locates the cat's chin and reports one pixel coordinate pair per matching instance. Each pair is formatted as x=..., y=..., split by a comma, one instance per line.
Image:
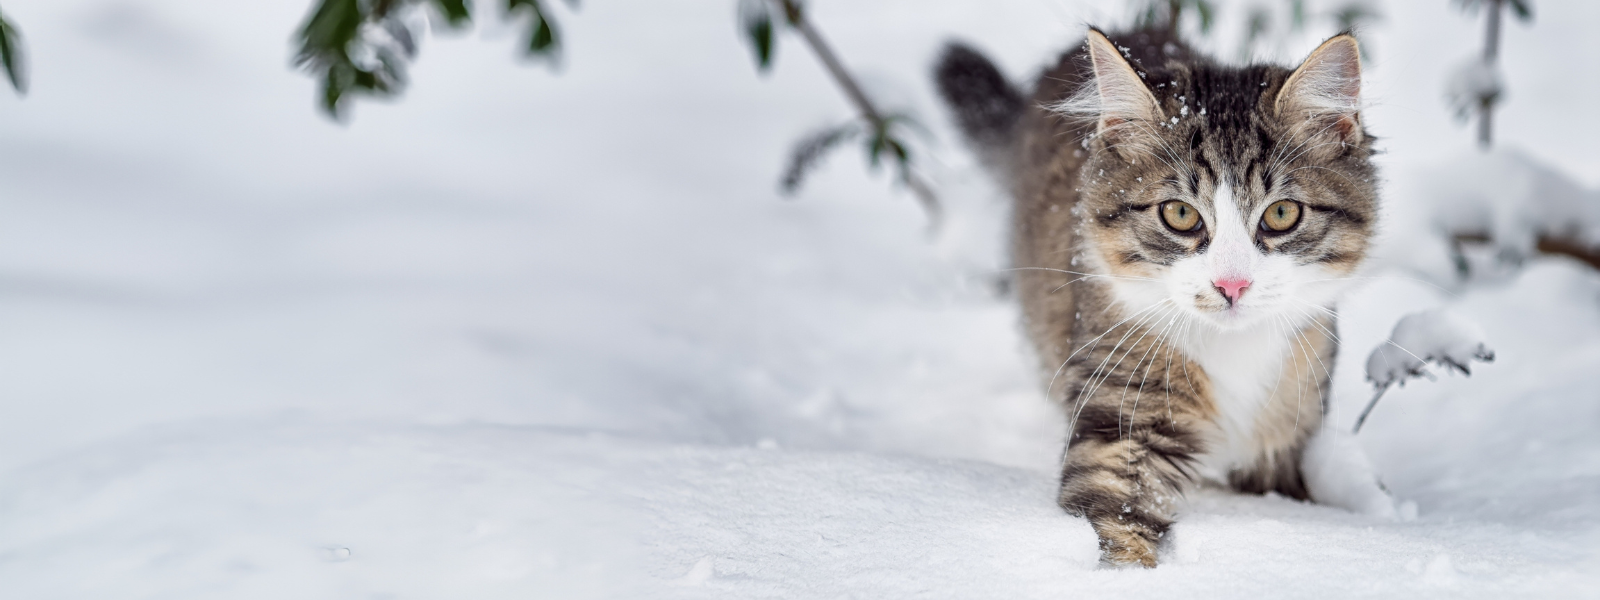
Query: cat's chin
x=1235, y=319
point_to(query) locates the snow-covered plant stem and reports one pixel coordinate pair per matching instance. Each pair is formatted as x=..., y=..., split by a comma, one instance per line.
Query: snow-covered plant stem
x=1376, y=396
x=1434, y=336
x=1491, y=54
x=1479, y=87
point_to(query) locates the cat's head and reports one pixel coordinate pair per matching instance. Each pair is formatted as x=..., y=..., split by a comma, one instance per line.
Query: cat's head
x=1237, y=195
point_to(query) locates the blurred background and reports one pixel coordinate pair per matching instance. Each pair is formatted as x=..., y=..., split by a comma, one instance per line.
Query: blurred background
x=546, y=324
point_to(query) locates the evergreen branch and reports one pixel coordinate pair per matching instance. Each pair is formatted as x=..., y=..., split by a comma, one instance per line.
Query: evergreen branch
x=362, y=47
x=11, y=56
x=755, y=18
x=883, y=139
x=810, y=151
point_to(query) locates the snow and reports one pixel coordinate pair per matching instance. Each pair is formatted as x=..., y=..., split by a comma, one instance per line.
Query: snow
x=1471, y=82
x=1435, y=336
x=1505, y=195
x=1338, y=473
x=535, y=335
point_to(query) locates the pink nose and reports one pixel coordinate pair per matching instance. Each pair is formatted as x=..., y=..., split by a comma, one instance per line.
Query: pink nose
x=1232, y=288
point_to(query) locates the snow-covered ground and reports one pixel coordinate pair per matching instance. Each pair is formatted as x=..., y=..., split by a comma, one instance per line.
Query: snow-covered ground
x=534, y=335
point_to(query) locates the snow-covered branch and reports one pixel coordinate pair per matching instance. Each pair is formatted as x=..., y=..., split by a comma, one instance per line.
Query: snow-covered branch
x=1435, y=336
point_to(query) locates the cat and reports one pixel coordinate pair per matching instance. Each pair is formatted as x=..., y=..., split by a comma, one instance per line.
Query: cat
x=1181, y=231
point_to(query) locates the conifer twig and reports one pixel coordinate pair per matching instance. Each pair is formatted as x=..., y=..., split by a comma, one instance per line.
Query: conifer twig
x=795, y=15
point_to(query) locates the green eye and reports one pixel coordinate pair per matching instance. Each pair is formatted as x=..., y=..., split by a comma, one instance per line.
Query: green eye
x=1283, y=215
x=1180, y=216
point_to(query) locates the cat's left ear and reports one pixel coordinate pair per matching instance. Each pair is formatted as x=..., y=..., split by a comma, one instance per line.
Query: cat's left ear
x=1323, y=96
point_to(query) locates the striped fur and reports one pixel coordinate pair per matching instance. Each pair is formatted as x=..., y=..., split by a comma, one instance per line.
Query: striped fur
x=1165, y=379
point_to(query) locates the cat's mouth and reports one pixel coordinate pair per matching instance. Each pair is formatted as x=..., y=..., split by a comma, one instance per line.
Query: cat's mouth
x=1217, y=306
x=1229, y=315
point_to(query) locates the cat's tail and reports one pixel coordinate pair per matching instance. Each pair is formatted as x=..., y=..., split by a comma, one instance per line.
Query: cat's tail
x=986, y=106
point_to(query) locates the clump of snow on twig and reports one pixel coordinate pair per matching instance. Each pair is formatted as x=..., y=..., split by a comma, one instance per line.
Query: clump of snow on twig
x=1434, y=336
x=1471, y=83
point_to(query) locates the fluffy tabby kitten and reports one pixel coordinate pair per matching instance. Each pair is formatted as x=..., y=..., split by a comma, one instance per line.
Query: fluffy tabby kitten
x=1182, y=229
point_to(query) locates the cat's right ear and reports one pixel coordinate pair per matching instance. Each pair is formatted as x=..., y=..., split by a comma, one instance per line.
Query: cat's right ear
x=1126, y=108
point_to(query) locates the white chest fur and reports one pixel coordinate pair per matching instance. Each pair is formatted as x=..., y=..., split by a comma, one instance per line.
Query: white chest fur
x=1244, y=367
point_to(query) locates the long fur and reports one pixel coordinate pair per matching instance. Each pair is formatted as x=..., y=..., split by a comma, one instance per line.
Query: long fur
x=1165, y=381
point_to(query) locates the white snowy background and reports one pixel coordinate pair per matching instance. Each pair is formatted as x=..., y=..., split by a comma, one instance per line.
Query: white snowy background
x=535, y=335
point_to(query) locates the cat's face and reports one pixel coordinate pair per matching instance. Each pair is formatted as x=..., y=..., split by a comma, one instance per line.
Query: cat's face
x=1245, y=206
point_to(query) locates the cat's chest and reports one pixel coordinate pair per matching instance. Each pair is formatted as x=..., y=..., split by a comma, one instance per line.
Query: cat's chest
x=1244, y=368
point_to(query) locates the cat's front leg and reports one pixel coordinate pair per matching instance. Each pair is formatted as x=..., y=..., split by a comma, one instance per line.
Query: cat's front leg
x=1127, y=484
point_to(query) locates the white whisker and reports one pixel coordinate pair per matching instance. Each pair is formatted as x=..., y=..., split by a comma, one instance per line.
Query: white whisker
x=1091, y=384
x=1049, y=391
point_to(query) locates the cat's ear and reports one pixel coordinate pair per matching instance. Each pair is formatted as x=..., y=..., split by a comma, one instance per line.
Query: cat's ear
x=1323, y=96
x=1126, y=108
